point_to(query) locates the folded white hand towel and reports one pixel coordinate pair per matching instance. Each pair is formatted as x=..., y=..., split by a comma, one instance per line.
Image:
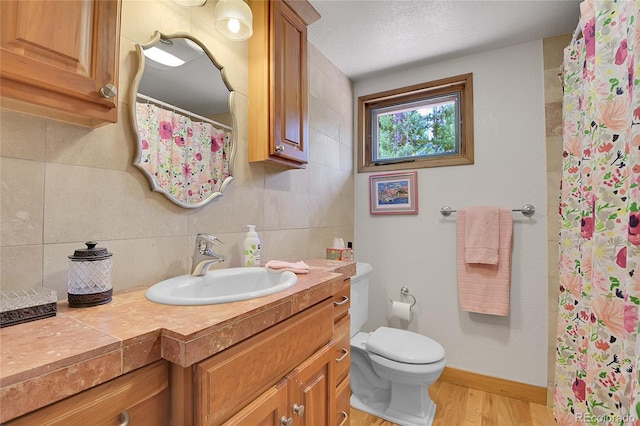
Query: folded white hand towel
x=280, y=265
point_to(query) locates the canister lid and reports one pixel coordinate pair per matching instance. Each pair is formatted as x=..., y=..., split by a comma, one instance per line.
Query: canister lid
x=91, y=253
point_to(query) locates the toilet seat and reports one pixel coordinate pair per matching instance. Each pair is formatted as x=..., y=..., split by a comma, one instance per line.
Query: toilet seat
x=404, y=346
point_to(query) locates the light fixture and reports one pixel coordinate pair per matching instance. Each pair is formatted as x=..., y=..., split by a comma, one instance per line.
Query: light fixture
x=189, y=3
x=233, y=19
x=162, y=57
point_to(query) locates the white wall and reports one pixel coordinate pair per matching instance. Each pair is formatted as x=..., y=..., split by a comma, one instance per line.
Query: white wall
x=418, y=251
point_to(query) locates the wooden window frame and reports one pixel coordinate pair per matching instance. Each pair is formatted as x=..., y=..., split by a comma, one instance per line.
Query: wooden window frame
x=461, y=83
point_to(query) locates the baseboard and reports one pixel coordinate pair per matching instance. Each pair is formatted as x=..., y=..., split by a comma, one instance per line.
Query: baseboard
x=511, y=389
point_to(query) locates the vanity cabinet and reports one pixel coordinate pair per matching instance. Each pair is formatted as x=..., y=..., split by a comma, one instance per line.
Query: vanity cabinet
x=139, y=398
x=279, y=82
x=59, y=59
x=249, y=379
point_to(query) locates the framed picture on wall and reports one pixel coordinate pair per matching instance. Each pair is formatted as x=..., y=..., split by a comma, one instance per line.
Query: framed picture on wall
x=394, y=193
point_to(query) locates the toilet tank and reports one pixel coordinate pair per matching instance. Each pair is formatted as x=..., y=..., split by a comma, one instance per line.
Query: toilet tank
x=359, y=308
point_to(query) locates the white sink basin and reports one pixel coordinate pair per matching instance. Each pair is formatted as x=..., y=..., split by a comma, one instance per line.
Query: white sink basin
x=220, y=286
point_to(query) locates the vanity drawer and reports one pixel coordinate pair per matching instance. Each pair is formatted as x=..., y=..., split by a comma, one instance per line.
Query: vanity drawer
x=343, y=348
x=141, y=396
x=341, y=299
x=228, y=381
x=343, y=404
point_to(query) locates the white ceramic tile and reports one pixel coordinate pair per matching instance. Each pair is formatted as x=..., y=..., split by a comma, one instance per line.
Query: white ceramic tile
x=22, y=135
x=324, y=119
x=324, y=89
x=139, y=19
x=20, y=267
x=136, y=262
x=323, y=149
x=108, y=147
x=83, y=203
x=21, y=201
x=290, y=180
x=291, y=244
x=240, y=206
x=285, y=210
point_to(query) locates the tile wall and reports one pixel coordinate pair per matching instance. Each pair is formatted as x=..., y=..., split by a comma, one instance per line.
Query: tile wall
x=553, y=52
x=62, y=184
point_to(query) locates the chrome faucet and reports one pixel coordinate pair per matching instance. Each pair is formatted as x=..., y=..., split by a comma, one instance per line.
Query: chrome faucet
x=203, y=255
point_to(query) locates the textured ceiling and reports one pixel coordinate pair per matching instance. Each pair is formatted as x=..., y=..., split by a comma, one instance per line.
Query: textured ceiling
x=364, y=37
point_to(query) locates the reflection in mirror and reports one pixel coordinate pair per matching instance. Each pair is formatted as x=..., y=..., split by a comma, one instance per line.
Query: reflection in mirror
x=182, y=113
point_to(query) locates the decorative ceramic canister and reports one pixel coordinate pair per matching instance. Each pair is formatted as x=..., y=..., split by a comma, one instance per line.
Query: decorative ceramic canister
x=90, y=276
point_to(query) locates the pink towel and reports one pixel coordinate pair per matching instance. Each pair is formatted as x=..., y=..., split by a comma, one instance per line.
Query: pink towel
x=279, y=265
x=485, y=288
x=482, y=235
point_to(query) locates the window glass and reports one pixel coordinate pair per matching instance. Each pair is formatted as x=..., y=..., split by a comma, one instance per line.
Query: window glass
x=426, y=125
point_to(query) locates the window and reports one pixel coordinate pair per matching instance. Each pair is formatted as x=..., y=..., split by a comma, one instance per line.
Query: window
x=425, y=125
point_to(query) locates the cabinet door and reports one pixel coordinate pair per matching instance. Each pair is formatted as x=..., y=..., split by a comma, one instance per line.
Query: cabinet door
x=55, y=56
x=312, y=389
x=269, y=409
x=291, y=97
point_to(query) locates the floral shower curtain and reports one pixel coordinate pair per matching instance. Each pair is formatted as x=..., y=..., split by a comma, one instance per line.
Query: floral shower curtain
x=597, y=353
x=189, y=159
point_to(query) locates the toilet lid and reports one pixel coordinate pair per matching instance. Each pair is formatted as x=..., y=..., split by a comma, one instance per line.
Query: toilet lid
x=404, y=346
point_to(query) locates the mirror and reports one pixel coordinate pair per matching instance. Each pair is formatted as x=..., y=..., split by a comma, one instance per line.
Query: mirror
x=182, y=113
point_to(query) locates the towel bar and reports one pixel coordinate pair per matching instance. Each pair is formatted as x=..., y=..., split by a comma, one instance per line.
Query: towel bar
x=527, y=210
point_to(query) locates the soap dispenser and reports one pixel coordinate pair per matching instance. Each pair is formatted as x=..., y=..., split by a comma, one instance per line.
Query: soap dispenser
x=252, y=247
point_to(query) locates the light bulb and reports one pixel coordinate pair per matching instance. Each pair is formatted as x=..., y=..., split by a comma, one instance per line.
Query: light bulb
x=162, y=57
x=233, y=25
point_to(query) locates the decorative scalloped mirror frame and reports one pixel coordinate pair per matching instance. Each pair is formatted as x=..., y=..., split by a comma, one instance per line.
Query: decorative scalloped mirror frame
x=157, y=36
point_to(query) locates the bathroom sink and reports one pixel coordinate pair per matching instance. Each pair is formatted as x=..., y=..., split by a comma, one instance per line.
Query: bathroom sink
x=220, y=286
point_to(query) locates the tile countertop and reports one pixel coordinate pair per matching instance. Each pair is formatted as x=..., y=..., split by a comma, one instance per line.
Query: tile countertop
x=52, y=358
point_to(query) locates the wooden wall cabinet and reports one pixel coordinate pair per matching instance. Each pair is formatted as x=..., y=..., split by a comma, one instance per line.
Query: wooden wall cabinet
x=139, y=398
x=59, y=59
x=279, y=82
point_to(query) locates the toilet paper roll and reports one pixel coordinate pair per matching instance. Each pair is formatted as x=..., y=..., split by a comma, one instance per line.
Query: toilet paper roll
x=401, y=310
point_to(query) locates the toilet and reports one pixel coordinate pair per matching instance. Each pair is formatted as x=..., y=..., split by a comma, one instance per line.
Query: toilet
x=391, y=369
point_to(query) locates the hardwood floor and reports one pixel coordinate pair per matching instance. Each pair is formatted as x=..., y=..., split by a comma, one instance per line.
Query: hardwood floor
x=457, y=405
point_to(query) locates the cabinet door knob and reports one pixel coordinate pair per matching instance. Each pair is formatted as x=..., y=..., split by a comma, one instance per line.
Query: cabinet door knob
x=108, y=91
x=286, y=421
x=124, y=418
x=279, y=148
x=298, y=409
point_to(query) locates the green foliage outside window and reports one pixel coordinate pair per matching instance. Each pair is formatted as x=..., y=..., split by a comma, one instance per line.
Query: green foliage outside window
x=417, y=132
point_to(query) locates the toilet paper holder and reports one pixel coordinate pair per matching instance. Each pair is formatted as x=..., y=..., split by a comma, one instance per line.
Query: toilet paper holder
x=405, y=292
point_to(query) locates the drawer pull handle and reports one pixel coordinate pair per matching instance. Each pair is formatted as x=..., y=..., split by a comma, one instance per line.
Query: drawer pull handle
x=298, y=409
x=124, y=418
x=345, y=415
x=286, y=421
x=344, y=300
x=344, y=355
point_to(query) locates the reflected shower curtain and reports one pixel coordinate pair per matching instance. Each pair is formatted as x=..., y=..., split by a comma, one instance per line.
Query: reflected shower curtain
x=189, y=159
x=597, y=353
